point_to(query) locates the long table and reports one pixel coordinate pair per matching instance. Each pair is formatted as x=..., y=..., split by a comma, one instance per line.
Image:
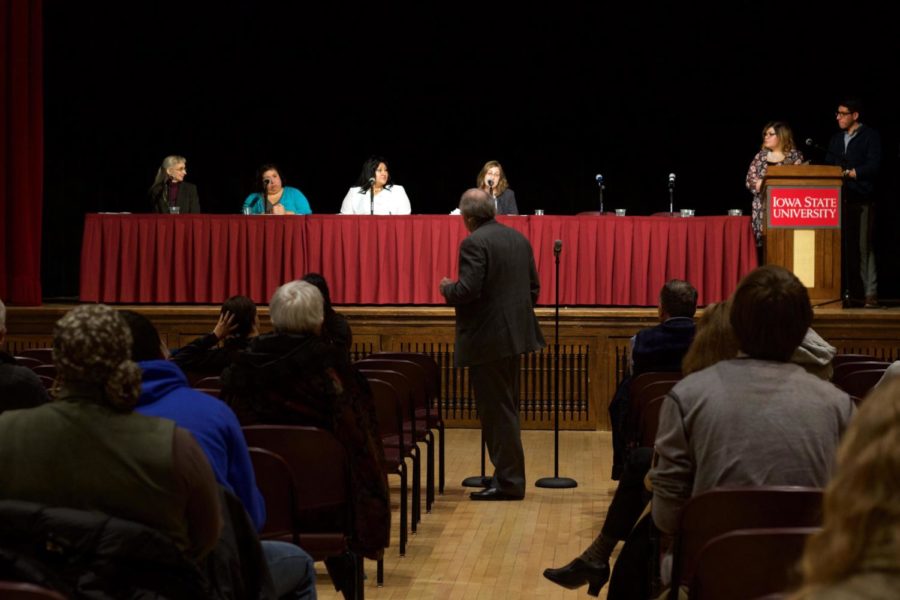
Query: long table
x=204, y=259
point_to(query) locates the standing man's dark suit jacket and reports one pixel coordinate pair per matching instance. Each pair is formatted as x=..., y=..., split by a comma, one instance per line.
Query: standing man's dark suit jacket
x=188, y=198
x=495, y=296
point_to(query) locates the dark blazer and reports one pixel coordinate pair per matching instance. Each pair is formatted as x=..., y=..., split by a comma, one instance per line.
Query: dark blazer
x=863, y=153
x=506, y=203
x=188, y=199
x=494, y=296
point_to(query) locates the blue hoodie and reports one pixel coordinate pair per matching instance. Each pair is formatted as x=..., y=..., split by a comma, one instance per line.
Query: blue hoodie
x=165, y=393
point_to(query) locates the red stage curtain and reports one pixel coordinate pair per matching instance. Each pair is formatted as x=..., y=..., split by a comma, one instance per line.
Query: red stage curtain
x=21, y=150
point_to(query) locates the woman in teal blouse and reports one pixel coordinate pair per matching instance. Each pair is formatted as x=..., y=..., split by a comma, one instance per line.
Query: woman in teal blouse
x=274, y=198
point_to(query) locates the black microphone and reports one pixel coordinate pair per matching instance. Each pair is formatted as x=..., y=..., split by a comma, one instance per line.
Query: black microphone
x=671, y=180
x=557, y=247
x=371, y=181
x=490, y=183
x=599, y=179
x=267, y=181
x=810, y=143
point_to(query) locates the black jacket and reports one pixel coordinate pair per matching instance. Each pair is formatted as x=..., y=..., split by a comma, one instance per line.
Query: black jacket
x=863, y=153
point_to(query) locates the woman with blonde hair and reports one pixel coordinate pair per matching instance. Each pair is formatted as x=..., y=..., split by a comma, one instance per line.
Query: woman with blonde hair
x=857, y=552
x=713, y=341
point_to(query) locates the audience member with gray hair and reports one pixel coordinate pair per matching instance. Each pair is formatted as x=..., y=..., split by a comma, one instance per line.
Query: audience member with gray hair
x=19, y=386
x=293, y=376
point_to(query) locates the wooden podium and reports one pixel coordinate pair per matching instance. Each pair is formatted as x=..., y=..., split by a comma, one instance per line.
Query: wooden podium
x=809, y=247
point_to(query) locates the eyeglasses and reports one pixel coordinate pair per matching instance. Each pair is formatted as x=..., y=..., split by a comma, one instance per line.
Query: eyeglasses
x=768, y=133
x=841, y=113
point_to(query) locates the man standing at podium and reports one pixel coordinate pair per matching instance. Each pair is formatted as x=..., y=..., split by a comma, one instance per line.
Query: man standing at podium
x=856, y=148
x=494, y=299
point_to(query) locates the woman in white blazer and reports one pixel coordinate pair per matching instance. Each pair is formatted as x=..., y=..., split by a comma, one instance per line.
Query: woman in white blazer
x=374, y=192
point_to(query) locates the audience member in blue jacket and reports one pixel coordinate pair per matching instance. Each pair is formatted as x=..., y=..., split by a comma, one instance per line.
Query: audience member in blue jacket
x=165, y=393
x=273, y=198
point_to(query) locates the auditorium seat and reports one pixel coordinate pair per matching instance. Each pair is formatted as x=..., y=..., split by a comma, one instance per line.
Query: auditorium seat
x=859, y=383
x=844, y=369
x=45, y=355
x=389, y=411
x=406, y=440
x=27, y=361
x=718, y=511
x=435, y=416
x=322, y=521
x=208, y=381
x=421, y=415
x=840, y=359
x=749, y=563
x=45, y=369
x=17, y=590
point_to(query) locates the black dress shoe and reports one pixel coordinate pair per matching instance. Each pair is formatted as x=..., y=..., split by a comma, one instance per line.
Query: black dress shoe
x=579, y=572
x=493, y=494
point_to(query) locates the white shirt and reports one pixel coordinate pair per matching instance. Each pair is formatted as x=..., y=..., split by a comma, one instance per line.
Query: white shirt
x=389, y=201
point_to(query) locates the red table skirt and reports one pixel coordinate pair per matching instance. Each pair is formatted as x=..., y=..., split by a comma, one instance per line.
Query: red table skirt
x=204, y=259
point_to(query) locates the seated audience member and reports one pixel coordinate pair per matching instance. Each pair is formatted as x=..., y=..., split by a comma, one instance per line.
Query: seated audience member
x=492, y=181
x=757, y=419
x=165, y=393
x=335, y=328
x=211, y=353
x=88, y=450
x=857, y=552
x=19, y=386
x=375, y=192
x=273, y=197
x=714, y=341
x=170, y=190
x=294, y=377
x=657, y=348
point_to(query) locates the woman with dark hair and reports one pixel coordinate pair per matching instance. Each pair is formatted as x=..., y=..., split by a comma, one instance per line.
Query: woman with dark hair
x=209, y=354
x=375, y=193
x=777, y=149
x=274, y=198
x=335, y=328
x=492, y=180
x=170, y=191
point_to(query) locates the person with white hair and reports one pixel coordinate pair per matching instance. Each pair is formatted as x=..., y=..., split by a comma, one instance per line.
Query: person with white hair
x=294, y=376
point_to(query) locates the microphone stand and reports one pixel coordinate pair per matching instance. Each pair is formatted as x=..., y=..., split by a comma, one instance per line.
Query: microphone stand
x=371, y=199
x=671, y=197
x=556, y=482
x=482, y=481
x=602, y=187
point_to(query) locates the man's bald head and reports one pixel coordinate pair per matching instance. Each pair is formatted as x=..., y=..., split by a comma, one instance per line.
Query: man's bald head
x=476, y=207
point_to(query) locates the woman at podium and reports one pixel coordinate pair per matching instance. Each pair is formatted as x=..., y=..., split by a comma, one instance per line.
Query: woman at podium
x=777, y=149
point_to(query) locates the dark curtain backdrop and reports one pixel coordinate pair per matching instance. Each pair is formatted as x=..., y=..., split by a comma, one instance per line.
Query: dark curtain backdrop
x=21, y=150
x=557, y=92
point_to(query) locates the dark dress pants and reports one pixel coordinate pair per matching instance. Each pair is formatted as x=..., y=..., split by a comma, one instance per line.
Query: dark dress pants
x=497, y=397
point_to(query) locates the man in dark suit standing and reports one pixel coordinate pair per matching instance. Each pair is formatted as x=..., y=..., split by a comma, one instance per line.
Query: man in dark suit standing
x=494, y=299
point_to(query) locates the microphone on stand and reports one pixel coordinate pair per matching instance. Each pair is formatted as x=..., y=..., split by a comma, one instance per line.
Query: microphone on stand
x=557, y=247
x=810, y=143
x=671, y=193
x=599, y=179
x=371, y=195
